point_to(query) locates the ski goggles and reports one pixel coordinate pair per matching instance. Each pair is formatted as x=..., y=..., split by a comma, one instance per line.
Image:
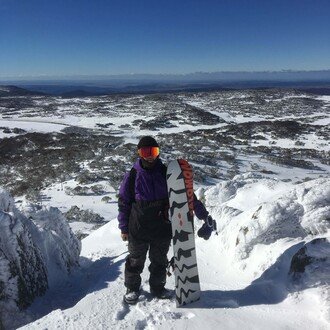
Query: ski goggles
x=146, y=152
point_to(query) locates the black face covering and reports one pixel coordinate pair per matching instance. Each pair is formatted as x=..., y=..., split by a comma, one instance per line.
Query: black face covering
x=147, y=165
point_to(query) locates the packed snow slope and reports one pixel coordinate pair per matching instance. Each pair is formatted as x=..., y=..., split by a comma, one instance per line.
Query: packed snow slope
x=267, y=268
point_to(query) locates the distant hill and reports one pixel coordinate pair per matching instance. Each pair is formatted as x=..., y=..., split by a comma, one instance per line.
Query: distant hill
x=16, y=91
x=82, y=90
x=70, y=89
x=202, y=77
x=317, y=81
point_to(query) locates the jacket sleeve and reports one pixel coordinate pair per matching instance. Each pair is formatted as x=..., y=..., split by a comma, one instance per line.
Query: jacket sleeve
x=199, y=209
x=124, y=204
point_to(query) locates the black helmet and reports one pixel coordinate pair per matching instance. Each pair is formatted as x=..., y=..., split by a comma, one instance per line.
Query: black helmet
x=147, y=141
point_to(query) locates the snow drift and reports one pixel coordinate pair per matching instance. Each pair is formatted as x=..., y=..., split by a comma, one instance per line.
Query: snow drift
x=256, y=210
x=36, y=250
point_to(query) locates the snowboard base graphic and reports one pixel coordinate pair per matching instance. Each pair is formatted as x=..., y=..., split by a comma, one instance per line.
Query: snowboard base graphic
x=181, y=196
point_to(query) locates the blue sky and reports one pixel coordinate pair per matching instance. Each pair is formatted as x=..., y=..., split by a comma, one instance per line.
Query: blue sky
x=100, y=37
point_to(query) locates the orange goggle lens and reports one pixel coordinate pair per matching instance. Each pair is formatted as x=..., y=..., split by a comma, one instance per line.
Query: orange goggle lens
x=146, y=152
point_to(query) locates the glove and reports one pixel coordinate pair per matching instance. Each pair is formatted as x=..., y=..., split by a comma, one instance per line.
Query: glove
x=206, y=230
x=211, y=222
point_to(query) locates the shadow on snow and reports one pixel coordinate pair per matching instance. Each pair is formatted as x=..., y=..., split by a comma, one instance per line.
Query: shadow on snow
x=272, y=287
x=92, y=277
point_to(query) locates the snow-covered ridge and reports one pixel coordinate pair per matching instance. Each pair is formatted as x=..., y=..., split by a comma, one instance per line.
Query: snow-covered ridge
x=36, y=251
x=254, y=211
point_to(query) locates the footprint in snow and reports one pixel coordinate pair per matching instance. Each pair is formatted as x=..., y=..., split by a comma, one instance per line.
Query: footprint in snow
x=121, y=314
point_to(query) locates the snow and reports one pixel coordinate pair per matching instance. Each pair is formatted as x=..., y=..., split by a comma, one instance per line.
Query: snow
x=57, y=197
x=325, y=98
x=30, y=126
x=244, y=270
x=323, y=121
x=37, y=250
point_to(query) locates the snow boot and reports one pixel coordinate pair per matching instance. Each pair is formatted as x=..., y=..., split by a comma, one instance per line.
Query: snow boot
x=161, y=293
x=131, y=297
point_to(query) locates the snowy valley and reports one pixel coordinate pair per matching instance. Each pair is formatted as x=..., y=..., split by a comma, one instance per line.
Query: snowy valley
x=261, y=160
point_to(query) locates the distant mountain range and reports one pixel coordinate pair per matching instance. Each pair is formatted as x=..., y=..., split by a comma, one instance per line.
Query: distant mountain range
x=224, y=76
x=7, y=90
x=80, y=86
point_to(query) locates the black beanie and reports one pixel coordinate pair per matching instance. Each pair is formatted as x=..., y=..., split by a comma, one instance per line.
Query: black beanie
x=147, y=141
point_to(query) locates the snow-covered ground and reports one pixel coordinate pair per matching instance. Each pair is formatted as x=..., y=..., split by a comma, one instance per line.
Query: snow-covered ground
x=92, y=113
x=244, y=270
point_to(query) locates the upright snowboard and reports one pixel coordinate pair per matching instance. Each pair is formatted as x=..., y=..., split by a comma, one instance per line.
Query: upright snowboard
x=181, y=196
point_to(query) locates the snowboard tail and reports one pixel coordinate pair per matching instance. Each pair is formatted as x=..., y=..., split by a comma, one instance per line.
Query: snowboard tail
x=181, y=196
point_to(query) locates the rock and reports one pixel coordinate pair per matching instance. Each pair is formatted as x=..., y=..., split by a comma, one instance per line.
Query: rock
x=88, y=216
x=106, y=199
x=310, y=266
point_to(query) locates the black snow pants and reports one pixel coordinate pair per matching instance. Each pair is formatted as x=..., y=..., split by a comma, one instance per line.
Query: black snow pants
x=138, y=249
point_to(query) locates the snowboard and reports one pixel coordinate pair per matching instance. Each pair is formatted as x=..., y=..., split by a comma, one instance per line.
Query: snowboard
x=181, y=197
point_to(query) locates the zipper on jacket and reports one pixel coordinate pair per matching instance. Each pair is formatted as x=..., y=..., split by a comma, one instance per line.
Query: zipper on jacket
x=153, y=186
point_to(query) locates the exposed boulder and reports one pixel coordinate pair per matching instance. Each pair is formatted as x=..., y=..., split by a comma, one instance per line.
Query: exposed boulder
x=310, y=266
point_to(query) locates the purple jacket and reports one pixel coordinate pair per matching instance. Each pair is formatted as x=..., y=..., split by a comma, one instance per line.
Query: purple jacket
x=150, y=185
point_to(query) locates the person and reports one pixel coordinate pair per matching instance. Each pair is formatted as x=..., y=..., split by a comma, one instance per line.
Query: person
x=143, y=206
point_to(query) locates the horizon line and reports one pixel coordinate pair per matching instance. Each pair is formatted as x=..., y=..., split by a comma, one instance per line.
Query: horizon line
x=118, y=75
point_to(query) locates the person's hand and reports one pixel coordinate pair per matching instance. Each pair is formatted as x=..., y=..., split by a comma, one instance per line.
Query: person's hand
x=124, y=237
x=206, y=230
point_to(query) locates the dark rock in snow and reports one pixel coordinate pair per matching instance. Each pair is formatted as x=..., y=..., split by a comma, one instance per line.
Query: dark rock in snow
x=88, y=216
x=310, y=266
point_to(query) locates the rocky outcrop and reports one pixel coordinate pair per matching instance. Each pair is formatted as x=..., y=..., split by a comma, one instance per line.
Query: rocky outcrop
x=310, y=266
x=88, y=216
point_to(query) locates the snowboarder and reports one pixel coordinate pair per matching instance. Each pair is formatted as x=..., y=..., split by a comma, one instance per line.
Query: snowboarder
x=143, y=221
